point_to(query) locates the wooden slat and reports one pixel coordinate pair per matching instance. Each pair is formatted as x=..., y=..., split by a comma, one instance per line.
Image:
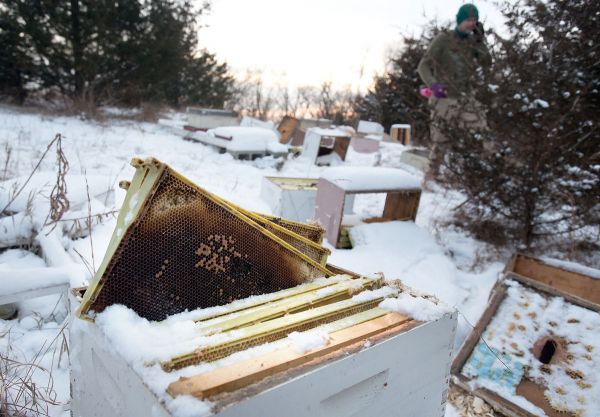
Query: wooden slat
x=569, y=282
x=241, y=374
x=275, y=329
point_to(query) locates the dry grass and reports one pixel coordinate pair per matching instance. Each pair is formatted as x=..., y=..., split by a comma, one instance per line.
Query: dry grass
x=469, y=405
x=26, y=387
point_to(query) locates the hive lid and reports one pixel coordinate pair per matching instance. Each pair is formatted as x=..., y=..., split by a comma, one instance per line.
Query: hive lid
x=177, y=247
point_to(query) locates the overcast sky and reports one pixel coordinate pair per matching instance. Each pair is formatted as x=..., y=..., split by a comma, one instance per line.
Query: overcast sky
x=311, y=41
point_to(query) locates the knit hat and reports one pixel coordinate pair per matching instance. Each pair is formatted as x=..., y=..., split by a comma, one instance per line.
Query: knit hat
x=466, y=11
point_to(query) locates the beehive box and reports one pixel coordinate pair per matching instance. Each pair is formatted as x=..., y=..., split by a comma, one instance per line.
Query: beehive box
x=401, y=133
x=325, y=146
x=360, y=368
x=336, y=185
x=211, y=118
x=535, y=350
x=294, y=198
x=203, y=308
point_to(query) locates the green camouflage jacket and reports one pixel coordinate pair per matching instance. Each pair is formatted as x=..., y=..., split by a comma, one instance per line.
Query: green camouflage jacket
x=452, y=61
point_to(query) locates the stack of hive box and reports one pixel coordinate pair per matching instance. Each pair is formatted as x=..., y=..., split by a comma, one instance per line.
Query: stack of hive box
x=178, y=248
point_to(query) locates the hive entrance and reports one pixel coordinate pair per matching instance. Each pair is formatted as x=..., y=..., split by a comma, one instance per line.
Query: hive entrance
x=548, y=351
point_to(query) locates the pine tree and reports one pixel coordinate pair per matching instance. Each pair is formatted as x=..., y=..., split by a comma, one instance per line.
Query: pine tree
x=126, y=51
x=534, y=174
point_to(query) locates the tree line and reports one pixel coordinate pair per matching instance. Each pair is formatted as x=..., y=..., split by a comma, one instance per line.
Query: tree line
x=541, y=98
x=119, y=51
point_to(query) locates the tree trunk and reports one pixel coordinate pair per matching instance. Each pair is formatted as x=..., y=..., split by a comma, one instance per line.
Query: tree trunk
x=77, y=46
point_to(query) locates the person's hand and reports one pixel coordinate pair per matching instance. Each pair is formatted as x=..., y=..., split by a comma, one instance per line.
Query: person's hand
x=438, y=90
x=479, y=32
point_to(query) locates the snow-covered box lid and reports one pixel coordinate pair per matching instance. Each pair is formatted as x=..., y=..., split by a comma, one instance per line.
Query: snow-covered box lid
x=371, y=178
x=329, y=132
x=369, y=127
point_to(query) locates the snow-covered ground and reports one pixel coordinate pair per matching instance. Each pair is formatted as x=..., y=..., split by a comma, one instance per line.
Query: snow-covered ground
x=424, y=255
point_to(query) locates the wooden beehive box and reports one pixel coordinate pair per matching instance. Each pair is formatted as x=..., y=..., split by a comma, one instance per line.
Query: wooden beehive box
x=535, y=351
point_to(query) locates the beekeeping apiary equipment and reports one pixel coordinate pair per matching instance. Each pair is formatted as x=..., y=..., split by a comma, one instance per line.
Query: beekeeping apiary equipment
x=403, y=193
x=294, y=198
x=535, y=350
x=324, y=146
x=178, y=247
x=401, y=133
x=375, y=362
x=204, y=119
x=366, y=144
x=375, y=358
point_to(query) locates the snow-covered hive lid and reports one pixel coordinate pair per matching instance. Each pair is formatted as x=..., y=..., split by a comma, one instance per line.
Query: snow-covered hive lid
x=369, y=127
x=242, y=138
x=371, y=178
x=334, y=132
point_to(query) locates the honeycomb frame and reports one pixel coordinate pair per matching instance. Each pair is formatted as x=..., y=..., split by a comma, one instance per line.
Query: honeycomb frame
x=177, y=247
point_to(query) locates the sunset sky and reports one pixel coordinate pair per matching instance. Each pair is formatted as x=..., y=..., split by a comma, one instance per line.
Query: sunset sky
x=308, y=42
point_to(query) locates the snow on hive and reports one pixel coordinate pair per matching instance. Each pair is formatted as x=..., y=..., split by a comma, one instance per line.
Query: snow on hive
x=549, y=345
x=329, y=132
x=370, y=178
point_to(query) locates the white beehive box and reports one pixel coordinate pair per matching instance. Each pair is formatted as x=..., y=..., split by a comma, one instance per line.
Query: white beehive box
x=325, y=146
x=405, y=375
x=211, y=118
x=294, y=198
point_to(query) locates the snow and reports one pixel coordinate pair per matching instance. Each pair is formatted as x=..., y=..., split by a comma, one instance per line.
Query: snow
x=37, y=189
x=429, y=258
x=242, y=139
x=248, y=121
x=302, y=342
x=335, y=132
x=371, y=178
x=526, y=316
x=369, y=127
x=418, y=308
x=573, y=267
x=15, y=228
x=14, y=280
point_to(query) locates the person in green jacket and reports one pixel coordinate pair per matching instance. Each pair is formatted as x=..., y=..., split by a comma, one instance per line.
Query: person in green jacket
x=448, y=68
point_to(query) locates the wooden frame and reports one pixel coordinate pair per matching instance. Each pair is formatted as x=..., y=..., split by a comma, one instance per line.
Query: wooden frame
x=242, y=374
x=497, y=296
x=581, y=286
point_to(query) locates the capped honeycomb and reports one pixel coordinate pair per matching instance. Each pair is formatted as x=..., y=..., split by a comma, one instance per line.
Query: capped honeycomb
x=177, y=247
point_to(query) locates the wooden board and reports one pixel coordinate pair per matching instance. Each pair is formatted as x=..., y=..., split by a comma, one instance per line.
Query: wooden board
x=530, y=392
x=568, y=282
x=401, y=205
x=286, y=128
x=244, y=373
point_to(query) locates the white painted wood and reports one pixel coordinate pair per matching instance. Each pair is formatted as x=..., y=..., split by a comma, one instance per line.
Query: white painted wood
x=403, y=376
x=296, y=204
x=34, y=293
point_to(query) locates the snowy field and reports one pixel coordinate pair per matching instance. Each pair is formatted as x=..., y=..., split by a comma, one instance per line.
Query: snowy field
x=426, y=256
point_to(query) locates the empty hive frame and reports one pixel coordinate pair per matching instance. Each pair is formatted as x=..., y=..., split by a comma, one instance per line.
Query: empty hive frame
x=177, y=247
x=535, y=349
